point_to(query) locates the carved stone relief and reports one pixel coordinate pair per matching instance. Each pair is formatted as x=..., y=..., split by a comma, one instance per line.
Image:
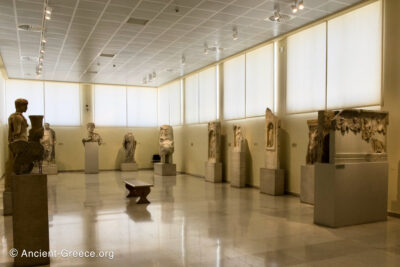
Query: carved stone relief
x=238, y=139
x=214, y=142
x=313, y=142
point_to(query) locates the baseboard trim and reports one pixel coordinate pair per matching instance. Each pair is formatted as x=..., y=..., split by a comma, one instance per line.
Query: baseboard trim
x=393, y=214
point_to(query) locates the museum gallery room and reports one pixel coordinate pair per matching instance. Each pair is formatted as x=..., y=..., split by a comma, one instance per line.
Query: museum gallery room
x=200, y=133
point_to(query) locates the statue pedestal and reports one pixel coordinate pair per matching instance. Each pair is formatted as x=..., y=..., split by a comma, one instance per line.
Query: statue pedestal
x=91, y=157
x=165, y=169
x=50, y=169
x=129, y=167
x=351, y=193
x=213, y=172
x=272, y=182
x=30, y=218
x=7, y=203
x=307, y=181
x=238, y=169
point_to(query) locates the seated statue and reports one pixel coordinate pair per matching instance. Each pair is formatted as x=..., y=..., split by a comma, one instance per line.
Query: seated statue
x=92, y=136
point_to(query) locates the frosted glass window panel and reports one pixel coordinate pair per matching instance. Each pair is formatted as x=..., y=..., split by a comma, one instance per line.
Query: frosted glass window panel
x=175, y=98
x=62, y=104
x=354, y=58
x=163, y=105
x=2, y=100
x=260, y=80
x=192, y=99
x=29, y=90
x=306, y=65
x=142, y=106
x=109, y=105
x=208, y=95
x=234, y=88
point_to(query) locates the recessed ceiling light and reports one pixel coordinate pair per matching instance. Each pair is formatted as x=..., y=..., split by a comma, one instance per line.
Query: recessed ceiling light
x=294, y=9
x=137, y=21
x=235, y=33
x=301, y=5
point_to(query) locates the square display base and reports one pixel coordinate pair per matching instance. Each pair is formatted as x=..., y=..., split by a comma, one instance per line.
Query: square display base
x=165, y=169
x=213, y=172
x=272, y=182
x=91, y=157
x=307, y=184
x=7, y=203
x=129, y=167
x=30, y=218
x=351, y=193
x=238, y=169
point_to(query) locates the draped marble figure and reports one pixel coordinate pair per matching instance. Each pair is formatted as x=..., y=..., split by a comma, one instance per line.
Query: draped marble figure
x=48, y=141
x=129, y=145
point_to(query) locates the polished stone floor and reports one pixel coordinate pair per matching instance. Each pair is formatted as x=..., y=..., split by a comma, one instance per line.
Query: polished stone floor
x=195, y=223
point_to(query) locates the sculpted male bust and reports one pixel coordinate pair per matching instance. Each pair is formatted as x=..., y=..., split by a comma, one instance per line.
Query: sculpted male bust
x=92, y=136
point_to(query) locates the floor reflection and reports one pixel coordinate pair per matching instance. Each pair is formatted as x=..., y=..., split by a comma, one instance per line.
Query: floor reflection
x=193, y=223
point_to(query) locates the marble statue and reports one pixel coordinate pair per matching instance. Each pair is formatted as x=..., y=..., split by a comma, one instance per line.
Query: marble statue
x=92, y=136
x=166, y=143
x=129, y=145
x=17, y=132
x=214, y=142
x=28, y=153
x=357, y=132
x=313, y=142
x=238, y=143
x=272, y=126
x=48, y=142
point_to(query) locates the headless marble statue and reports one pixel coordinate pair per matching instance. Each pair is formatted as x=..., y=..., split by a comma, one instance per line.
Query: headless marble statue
x=48, y=142
x=129, y=145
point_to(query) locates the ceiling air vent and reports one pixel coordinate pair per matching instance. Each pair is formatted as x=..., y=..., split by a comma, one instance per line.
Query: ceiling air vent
x=137, y=21
x=29, y=59
x=106, y=55
x=30, y=28
x=91, y=72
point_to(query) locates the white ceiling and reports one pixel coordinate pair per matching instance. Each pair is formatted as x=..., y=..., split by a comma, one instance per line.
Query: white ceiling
x=80, y=30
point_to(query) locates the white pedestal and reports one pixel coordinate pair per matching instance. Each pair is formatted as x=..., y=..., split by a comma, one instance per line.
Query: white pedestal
x=129, y=167
x=307, y=184
x=213, y=172
x=7, y=203
x=165, y=169
x=238, y=169
x=91, y=157
x=351, y=193
x=272, y=182
x=30, y=218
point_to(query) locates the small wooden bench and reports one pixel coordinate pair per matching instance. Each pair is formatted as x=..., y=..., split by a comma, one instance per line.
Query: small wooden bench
x=138, y=189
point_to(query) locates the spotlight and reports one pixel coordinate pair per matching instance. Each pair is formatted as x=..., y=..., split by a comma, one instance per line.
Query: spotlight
x=48, y=10
x=150, y=78
x=205, y=49
x=42, y=51
x=301, y=5
x=144, y=80
x=41, y=59
x=183, y=60
x=294, y=9
x=154, y=75
x=44, y=41
x=47, y=17
x=235, y=33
